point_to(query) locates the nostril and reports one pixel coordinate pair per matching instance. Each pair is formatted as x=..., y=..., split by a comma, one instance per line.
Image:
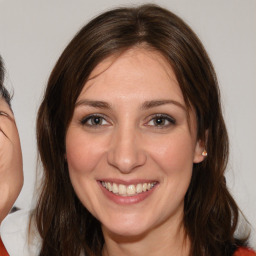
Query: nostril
x=126, y=161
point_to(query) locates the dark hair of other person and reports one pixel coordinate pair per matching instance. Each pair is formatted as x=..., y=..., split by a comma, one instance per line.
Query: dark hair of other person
x=210, y=212
x=3, y=92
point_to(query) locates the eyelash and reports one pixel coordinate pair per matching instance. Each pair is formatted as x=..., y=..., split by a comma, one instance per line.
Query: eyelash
x=164, y=118
x=154, y=118
x=86, y=119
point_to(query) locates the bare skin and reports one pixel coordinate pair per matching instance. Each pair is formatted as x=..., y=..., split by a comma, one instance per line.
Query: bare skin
x=11, y=171
x=123, y=132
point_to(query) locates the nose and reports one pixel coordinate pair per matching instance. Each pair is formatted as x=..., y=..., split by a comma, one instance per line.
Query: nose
x=126, y=152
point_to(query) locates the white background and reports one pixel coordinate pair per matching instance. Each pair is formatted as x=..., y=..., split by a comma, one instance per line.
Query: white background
x=34, y=33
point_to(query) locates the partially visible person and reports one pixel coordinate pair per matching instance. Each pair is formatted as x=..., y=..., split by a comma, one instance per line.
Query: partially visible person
x=11, y=171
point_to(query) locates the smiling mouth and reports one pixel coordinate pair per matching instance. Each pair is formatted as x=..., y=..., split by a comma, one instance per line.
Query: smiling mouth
x=128, y=190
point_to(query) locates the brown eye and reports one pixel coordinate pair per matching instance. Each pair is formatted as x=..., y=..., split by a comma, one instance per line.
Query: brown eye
x=161, y=121
x=94, y=120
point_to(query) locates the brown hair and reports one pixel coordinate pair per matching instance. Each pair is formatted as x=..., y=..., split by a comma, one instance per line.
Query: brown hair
x=210, y=213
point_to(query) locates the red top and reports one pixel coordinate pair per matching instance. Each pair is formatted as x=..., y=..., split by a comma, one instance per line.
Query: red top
x=244, y=252
x=3, y=251
x=240, y=252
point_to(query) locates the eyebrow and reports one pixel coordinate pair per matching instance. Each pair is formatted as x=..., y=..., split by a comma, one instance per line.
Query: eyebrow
x=145, y=105
x=156, y=103
x=94, y=104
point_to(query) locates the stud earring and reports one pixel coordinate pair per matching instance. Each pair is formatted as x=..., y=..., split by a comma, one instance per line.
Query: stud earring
x=204, y=153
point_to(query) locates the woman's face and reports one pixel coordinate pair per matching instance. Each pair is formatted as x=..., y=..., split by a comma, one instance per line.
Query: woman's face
x=129, y=147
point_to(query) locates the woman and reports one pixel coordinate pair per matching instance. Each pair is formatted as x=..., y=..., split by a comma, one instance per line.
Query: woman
x=133, y=144
x=11, y=174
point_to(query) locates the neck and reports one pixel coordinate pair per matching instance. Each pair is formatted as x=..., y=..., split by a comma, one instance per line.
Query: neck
x=172, y=241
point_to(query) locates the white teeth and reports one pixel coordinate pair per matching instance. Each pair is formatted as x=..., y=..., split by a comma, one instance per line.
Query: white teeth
x=109, y=186
x=139, y=188
x=114, y=188
x=122, y=189
x=129, y=190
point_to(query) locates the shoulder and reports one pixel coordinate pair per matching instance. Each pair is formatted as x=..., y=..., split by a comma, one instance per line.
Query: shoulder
x=15, y=235
x=244, y=252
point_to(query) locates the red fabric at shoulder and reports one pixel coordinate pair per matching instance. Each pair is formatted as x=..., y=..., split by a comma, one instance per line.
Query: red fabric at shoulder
x=244, y=252
x=3, y=251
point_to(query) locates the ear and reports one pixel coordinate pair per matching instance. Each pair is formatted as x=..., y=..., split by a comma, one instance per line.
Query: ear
x=198, y=154
x=200, y=150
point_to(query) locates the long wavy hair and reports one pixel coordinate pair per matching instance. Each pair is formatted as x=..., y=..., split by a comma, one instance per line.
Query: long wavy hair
x=210, y=212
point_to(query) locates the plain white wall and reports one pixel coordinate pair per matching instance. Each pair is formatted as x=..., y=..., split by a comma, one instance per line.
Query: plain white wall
x=34, y=33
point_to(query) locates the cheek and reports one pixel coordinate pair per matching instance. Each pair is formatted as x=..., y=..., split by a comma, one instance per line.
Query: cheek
x=82, y=153
x=174, y=154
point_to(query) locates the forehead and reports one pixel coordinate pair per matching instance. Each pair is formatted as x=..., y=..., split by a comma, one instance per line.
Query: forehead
x=139, y=70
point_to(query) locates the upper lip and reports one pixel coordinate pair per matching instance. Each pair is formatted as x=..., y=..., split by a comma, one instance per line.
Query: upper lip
x=128, y=182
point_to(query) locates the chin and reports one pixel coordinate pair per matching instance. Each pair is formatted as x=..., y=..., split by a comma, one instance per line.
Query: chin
x=125, y=235
x=126, y=228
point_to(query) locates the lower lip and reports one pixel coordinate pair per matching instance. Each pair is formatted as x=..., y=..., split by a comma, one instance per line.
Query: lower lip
x=126, y=200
